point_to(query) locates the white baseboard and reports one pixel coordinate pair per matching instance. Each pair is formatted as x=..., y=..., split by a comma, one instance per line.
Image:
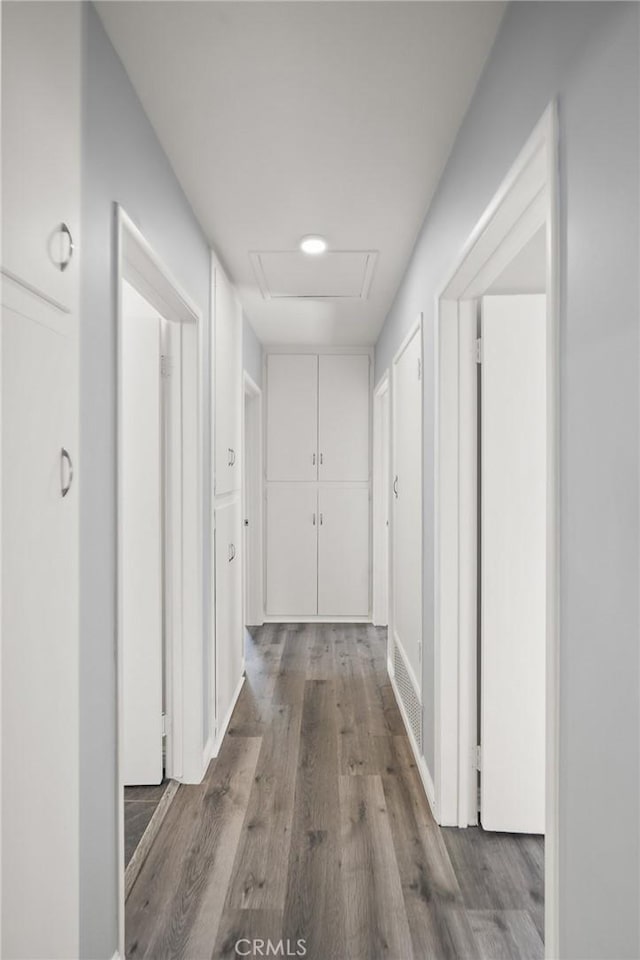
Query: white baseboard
x=225, y=723
x=423, y=770
x=274, y=619
x=117, y=956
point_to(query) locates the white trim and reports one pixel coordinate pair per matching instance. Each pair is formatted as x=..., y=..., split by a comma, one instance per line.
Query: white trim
x=423, y=770
x=136, y=261
x=252, y=506
x=527, y=198
x=380, y=515
x=274, y=618
x=217, y=743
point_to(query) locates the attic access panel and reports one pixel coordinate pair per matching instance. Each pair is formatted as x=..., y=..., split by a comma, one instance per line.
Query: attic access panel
x=335, y=275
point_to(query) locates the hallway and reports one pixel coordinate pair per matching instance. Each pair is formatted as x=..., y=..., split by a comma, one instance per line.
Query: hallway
x=313, y=821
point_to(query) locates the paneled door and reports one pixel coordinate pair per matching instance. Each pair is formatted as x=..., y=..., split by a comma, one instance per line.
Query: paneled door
x=407, y=505
x=292, y=549
x=513, y=552
x=292, y=417
x=229, y=627
x=343, y=551
x=228, y=385
x=344, y=417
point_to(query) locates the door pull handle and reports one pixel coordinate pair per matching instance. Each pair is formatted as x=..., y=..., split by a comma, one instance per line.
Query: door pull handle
x=65, y=487
x=314, y=519
x=395, y=486
x=321, y=519
x=232, y=552
x=313, y=459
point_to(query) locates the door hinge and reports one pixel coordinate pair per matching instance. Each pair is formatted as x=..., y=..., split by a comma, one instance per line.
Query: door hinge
x=165, y=724
x=477, y=758
x=165, y=366
x=419, y=369
x=479, y=350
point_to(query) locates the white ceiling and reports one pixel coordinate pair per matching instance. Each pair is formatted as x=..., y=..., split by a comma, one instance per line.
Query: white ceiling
x=285, y=119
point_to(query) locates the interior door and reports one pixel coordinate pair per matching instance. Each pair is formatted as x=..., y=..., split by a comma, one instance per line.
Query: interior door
x=292, y=549
x=513, y=557
x=343, y=417
x=229, y=627
x=292, y=417
x=142, y=541
x=407, y=505
x=228, y=368
x=343, y=551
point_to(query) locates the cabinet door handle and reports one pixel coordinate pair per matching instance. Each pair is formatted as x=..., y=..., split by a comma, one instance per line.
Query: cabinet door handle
x=65, y=260
x=232, y=552
x=314, y=519
x=232, y=457
x=321, y=519
x=321, y=459
x=65, y=486
x=395, y=486
x=313, y=459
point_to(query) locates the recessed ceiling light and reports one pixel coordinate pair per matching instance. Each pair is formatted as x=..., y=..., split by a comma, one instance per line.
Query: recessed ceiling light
x=313, y=244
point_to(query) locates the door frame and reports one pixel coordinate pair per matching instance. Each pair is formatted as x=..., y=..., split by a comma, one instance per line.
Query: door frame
x=137, y=262
x=526, y=200
x=252, y=501
x=381, y=510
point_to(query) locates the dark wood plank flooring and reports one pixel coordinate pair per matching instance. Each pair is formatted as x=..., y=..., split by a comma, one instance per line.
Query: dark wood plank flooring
x=311, y=824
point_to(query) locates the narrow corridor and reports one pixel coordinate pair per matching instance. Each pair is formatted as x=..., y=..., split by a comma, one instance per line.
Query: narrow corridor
x=312, y=825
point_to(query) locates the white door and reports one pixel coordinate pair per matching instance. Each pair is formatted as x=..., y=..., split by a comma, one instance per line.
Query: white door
x=381, y=511
x=229, y=625
x=292, y=549
x=142, y=548
x=407, y=505
x=343, y=417
x=343, y=551
x=39, y=636
x=513, y=579
x=292, y=417
x=228, y=385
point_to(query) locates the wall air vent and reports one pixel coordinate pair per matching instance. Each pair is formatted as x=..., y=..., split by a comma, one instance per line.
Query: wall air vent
x=293, y=275
x=408, y=695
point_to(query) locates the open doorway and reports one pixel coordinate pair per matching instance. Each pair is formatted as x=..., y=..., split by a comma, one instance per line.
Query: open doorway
x=496, y=521
x=159, y=553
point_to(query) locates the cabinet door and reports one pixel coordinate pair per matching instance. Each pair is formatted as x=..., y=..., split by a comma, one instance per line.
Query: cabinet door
x=229, y=626
x=343, y=551
x=41, y=145
x=292, y=550
x=292, y=417
x=228, y=369
x=39, y=637
x=344, y=418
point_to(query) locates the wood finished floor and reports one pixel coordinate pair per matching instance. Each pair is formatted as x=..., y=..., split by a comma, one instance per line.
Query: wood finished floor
x=312, y=824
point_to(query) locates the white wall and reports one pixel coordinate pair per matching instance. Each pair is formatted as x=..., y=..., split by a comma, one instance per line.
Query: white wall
x=251, y=351
x=586, y=54
x=122, y=161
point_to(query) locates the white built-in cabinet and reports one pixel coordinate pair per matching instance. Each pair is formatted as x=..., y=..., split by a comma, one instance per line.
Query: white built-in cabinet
x=227, y=613
x=229, y=626
x=318, y=492
x=41, y=88
x=227, y=321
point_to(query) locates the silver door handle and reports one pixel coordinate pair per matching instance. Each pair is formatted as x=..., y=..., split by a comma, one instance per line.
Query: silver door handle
x=395, y=487
x=314, y=519
x=321, y=519
x=313, y=459
x=65, y=260
x=232, y=552
x=232, y=457
x=65, y=487
x=321, y=459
